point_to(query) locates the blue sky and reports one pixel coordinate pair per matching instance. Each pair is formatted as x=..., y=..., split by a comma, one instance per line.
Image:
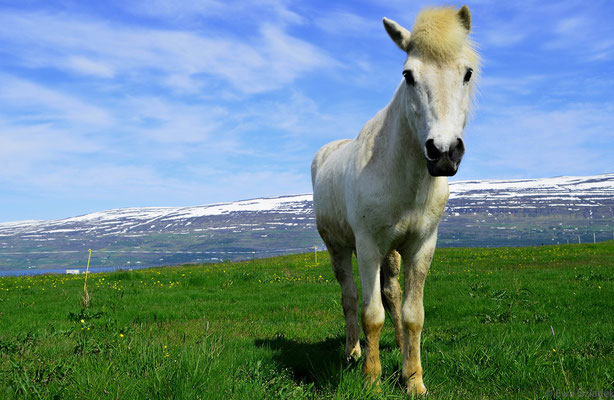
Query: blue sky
x=167, y=103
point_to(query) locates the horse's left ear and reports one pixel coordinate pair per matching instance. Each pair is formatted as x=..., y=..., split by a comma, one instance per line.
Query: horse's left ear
x=465, y=17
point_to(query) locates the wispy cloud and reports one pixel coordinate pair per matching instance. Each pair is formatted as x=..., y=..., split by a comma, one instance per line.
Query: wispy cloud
x=190, y=11
x=155, y=119
x=29, y=153
x=518, y=83
x=346, y=23
x=503, y=34
x=586, y=32
x=529, y=142
x=43, y=104
x=267, y=60
x=87, y=66
x=174, y=10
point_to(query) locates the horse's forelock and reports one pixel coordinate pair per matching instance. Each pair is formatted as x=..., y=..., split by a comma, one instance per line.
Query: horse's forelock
x=439, y=34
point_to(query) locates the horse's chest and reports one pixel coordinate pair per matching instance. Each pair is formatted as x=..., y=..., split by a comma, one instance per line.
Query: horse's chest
x=390, y=213
x=415, y=222
x=402, y=223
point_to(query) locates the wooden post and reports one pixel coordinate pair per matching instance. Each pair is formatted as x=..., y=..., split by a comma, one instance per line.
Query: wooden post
x=86, y=294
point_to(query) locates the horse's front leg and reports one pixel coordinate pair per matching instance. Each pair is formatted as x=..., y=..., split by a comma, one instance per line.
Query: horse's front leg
x=416, y=262
x=391, y=291
x=369, y=261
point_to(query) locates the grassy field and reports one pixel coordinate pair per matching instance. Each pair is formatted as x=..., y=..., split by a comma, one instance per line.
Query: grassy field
x=500, y=323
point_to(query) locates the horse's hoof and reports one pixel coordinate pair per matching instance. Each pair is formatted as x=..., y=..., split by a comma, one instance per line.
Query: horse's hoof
x=372, y=384
x=417, y=389
x=354, y=354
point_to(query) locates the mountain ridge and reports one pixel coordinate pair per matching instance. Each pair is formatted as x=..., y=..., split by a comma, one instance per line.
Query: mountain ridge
x=479, y=213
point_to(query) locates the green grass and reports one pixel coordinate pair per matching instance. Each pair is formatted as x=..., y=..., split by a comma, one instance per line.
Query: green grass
x=274, y=328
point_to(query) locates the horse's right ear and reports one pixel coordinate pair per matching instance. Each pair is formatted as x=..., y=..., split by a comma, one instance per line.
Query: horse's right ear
x=397, y=33
x=465, y=17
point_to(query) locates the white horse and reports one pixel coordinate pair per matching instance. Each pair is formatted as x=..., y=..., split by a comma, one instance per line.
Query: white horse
x=382, y=194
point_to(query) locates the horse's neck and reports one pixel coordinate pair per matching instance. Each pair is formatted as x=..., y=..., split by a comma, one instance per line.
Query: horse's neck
x=393, y=147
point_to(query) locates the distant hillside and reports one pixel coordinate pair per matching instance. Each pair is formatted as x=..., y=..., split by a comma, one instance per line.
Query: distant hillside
x=479, y=213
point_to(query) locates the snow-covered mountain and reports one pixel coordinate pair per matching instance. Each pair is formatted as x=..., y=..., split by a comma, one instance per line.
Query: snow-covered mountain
x=158, y=219
x=479, y=213
x=539, y=194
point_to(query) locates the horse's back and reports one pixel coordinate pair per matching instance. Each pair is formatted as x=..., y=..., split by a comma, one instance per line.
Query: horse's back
x=323, y=154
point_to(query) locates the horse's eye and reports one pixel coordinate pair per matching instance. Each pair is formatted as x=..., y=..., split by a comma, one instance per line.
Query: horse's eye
x=409, y=77
x=467, y=75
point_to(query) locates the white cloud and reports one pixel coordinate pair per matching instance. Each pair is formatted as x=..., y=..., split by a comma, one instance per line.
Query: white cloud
x=193, y=10
x=41, y=103
x=524, y=141
x=503, y=35
x=157, y=119
x=120, y=183
x=89, y=67
x=585, y=33
x=265, y=61
x=177, y=10
x=31, y=151
x=571, y=25
x=300, y=117
x=519, y=83
x=251, y=184
x=346, y=23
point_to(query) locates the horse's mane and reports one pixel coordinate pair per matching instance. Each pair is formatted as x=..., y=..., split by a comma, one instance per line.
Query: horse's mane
x=439, y=34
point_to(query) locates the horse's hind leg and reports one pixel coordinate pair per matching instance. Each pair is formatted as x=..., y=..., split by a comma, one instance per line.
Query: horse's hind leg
x=341, y=260
x=391, y=292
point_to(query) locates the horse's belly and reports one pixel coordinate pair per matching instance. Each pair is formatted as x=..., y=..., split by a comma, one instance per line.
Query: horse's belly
x=329, y=197
x=331, y=218
x=335, y=231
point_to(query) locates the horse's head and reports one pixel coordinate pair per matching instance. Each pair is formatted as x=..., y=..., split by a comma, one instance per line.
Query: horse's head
x=439, y=72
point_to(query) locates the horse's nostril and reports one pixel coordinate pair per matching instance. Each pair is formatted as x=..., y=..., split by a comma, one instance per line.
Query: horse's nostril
x=457, y=151
x=432, y=152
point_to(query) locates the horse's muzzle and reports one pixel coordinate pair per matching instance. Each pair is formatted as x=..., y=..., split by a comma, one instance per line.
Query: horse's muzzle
x=443, y=163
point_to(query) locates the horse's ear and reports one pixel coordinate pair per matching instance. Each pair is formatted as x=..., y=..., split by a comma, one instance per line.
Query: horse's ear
x=397, y=33
x=465, y=17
